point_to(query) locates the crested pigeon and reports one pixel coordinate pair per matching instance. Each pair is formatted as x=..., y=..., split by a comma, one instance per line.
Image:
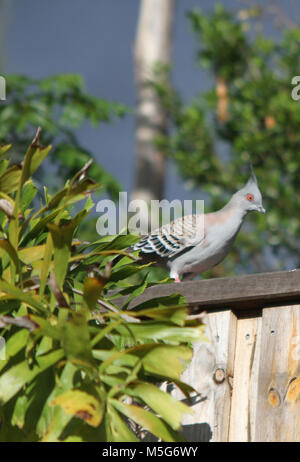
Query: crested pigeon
x=187, y=250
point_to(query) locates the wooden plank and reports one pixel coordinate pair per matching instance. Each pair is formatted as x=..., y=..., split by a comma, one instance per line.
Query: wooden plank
x=278, y=403
x=239, y=293
x=210, y=373
x=245, y=378
x=253, y=388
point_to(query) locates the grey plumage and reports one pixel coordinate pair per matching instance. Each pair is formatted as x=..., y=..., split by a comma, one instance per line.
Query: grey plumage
x=186, y=247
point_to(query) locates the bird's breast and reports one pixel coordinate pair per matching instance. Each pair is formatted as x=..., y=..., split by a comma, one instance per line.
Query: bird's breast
x=219, y=237
x=222, y=232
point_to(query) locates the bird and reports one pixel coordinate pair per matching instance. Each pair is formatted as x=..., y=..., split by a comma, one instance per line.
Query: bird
x=187, y=249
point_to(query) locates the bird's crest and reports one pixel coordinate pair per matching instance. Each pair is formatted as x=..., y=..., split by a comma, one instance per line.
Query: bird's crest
x=252, y=178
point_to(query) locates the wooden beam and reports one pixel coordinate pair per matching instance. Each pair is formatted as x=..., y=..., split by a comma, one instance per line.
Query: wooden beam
x=238, y=293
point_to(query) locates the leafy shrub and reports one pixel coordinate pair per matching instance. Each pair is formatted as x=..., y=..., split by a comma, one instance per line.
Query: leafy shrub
x=78, y=367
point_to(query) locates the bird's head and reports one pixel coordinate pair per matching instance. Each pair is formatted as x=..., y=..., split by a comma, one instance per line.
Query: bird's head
x=249, y=197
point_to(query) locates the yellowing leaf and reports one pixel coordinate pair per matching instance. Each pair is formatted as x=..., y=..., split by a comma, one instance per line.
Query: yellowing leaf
x=82, y=405
x=91, y=290
x=9, y=181
x=154, y=360
x=4, y=148
x=29, y=255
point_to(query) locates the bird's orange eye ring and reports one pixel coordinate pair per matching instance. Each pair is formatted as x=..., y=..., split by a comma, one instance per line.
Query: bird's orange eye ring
x=250, y=197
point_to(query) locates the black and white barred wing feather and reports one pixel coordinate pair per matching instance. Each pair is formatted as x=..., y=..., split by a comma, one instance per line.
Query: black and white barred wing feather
x=173, y=237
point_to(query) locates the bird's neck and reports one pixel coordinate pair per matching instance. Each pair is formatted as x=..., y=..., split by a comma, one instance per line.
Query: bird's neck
x=233, y=206
x=233, y=217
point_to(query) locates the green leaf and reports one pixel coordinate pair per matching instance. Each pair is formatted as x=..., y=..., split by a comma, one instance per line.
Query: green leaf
x=28, y=194
x=37, y=227
x=53, y=419
x=37, y=158
x=162, y=403
x=46, y=327
x=7, y=247
x=62, y=239
x=12, y=381
x=135, y=292
x=117, y=430
x=14, y=293
x=14, y=345
x=76, y=339
x=46, y=263
x=35, y=154
x=161, y=331
x=126, y=271
x=173, y=301
x=28, y=404
x=175, y=314
x=122, y=242
x=147, y=420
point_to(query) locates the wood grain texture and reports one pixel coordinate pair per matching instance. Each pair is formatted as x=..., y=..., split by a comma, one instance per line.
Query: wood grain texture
x=248, y=375
x=245, y=377
x=278, y=403
x=210, y=374
x=238, y=293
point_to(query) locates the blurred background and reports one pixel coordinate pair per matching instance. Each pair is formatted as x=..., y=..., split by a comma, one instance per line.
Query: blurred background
x=172, y=99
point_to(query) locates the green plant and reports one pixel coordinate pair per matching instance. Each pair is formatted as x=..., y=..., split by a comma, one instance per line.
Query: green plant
x=78, y=367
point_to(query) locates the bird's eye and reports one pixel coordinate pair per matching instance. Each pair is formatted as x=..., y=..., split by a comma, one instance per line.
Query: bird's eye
x=250, y=197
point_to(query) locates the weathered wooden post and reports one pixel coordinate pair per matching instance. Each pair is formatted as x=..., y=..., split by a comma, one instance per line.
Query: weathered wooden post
x=248, y=375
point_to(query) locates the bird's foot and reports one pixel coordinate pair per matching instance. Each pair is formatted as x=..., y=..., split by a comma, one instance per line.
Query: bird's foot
x=175, y=277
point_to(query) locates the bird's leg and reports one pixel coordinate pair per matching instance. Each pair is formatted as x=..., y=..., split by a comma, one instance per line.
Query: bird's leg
x=175, y=276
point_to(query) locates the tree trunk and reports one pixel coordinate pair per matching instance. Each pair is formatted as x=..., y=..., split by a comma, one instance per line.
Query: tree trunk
x=153, y=45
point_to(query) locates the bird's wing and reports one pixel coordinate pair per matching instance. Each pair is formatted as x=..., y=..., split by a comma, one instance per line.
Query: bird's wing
x=174, y=237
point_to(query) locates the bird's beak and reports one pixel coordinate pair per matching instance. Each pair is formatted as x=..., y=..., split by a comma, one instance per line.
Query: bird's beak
x=261, y=209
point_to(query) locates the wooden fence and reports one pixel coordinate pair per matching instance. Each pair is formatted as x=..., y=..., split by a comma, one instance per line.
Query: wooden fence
x=248, y=374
